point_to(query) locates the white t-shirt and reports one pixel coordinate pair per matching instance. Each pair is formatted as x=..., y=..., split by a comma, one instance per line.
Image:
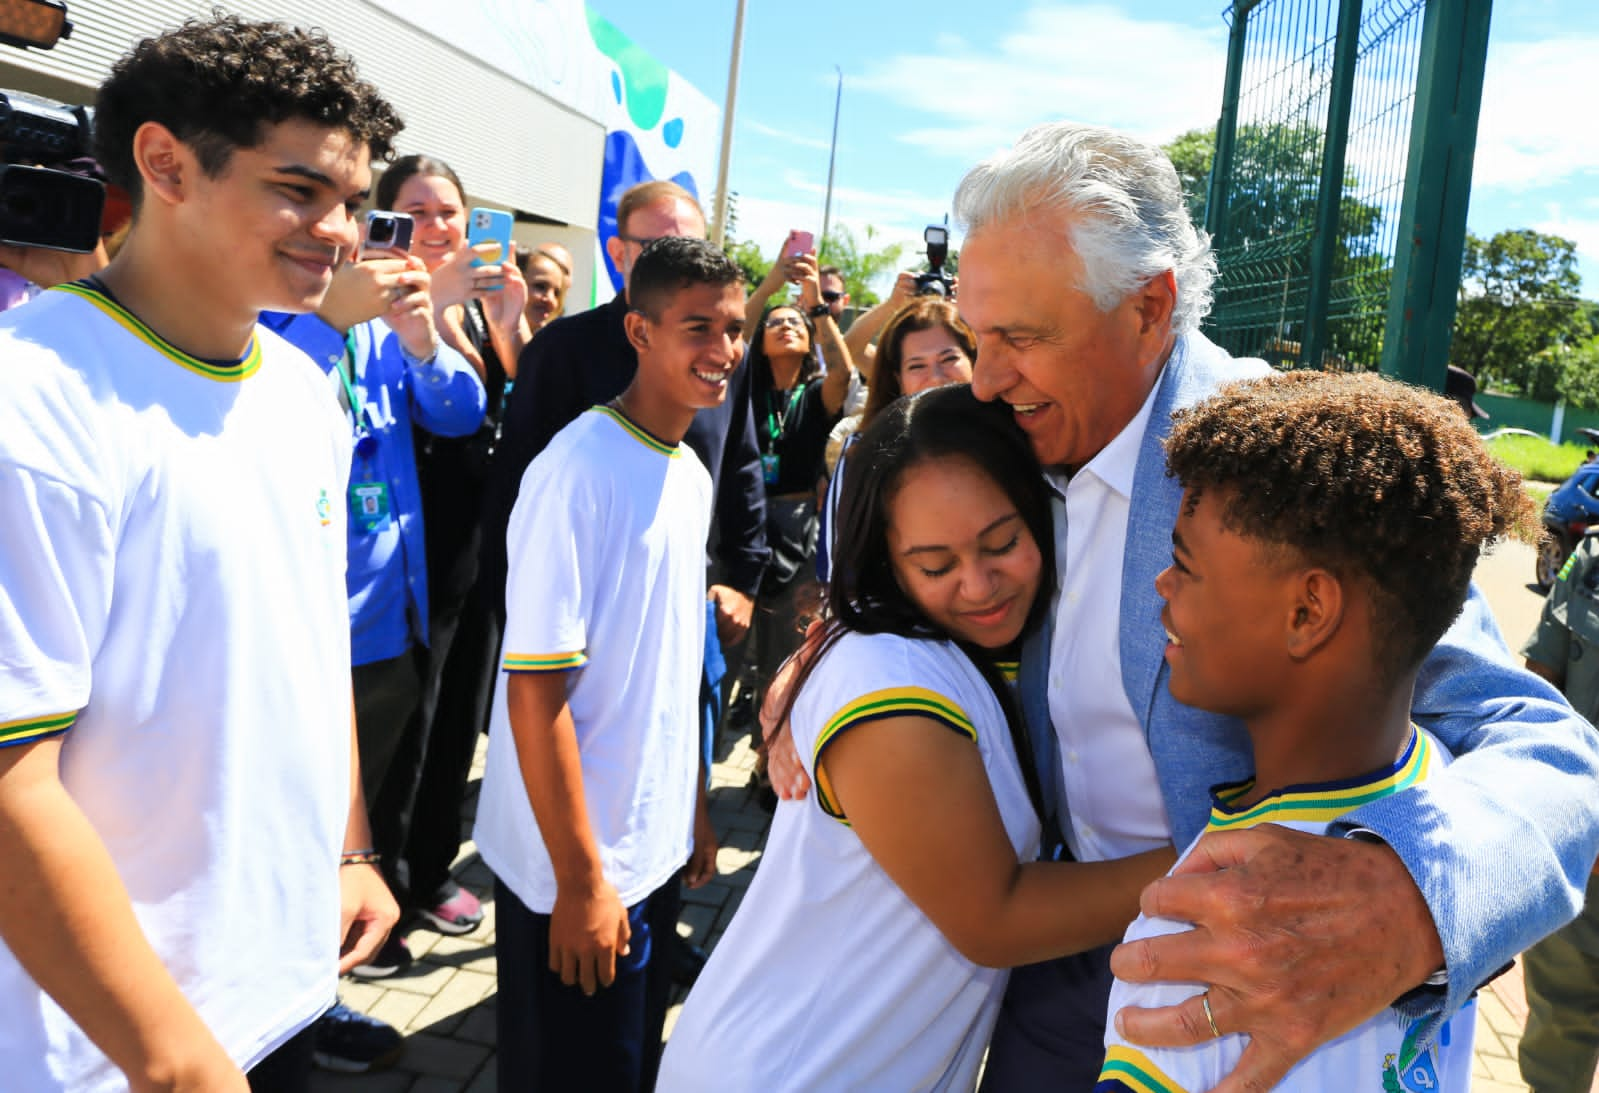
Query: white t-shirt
x=830, y=975
x=606, y=547
x=1378, y=1055
x=172, y=565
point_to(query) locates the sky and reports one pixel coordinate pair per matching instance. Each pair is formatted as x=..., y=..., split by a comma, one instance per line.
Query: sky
x=931, y=88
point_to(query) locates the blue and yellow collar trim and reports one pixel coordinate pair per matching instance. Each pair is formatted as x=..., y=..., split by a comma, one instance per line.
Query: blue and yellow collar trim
x=649, y=440
x=1325, y=801
x=222, y=371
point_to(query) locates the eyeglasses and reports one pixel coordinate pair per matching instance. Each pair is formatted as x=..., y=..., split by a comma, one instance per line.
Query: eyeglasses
x=832, y=297
x=785, y=320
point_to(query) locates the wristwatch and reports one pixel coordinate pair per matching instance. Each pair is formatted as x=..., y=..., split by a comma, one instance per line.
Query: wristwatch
x=819, y=310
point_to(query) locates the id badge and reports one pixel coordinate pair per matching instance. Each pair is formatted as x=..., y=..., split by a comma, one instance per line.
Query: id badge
x=369, y=506
x=769, y=465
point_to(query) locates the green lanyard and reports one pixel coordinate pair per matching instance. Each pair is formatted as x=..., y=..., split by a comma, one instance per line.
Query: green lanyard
x=775, y=426
x=352, y=394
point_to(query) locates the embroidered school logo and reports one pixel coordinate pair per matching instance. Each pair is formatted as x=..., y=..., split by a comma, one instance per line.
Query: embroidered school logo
x=324, y=509
x=1410, y=1071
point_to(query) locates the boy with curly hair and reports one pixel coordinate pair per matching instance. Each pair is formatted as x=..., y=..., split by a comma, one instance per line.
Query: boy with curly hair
x=177, y=783
x=1329, y=529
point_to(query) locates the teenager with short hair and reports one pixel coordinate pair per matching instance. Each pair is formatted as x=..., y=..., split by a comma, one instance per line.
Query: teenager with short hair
x=593, y=797
x=1329, y=527
x=178, y=783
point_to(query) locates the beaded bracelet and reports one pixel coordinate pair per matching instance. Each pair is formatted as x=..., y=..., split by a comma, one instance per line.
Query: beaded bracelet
x=367, y=856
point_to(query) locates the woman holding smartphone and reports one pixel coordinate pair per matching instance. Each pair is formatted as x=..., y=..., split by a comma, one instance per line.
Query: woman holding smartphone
x=479, y=311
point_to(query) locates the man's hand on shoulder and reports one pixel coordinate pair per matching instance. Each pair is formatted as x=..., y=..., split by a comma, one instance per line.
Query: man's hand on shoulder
x=1301, y=938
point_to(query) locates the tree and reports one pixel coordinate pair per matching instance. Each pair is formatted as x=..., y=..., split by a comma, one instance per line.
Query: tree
x=1272, y=198
x=1518, y=299
x=1576, y=368
x=859, y=264
x=748, y=257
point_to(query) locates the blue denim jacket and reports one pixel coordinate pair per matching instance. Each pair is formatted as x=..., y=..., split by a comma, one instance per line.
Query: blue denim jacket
x=387, y=575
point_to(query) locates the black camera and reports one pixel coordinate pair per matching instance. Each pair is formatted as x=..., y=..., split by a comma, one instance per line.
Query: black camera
x=41, y=206
x=935, y=282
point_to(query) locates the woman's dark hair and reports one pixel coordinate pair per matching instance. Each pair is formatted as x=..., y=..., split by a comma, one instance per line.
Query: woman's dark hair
x=923, y=313
x=757, y=343
x=864, y=595
x=406, y=168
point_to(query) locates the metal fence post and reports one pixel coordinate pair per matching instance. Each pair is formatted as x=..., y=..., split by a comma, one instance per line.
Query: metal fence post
x=1221, y=167
x=1432, y=226
x=1330, y=193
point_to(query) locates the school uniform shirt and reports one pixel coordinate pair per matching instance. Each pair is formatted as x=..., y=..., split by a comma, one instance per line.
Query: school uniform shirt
x=172, y=560
x=607, y=584
x=833, y=978
x=1384, y=1055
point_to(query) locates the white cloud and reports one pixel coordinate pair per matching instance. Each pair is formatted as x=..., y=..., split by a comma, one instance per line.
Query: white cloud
x=784, y=135
x=1537, y=113
x=1092, y=62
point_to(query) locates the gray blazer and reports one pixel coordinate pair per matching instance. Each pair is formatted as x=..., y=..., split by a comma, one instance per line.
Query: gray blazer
x=1500, y=844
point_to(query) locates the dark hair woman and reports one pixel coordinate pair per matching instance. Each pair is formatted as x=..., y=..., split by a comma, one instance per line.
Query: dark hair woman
x=872, y=940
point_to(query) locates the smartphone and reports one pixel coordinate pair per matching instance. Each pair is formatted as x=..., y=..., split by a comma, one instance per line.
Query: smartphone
x=800, y=243
x=489, y=226
x=387, y=231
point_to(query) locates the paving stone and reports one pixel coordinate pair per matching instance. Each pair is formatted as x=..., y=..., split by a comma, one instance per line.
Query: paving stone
x=443, y=1057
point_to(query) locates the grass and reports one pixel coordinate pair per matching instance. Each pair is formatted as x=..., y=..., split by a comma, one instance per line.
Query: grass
x=1537, y=459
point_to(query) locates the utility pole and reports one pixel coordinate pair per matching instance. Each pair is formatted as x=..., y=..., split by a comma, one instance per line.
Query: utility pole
x=832, y=152
x=719, y=234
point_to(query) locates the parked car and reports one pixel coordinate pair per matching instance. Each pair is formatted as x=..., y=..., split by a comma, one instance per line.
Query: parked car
x=1570, y=511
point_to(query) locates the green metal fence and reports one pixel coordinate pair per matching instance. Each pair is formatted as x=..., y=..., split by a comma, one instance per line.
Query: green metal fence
x=1339, y=126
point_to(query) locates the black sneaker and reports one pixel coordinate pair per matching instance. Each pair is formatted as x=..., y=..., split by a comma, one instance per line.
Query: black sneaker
x=350, y=1042
x=392, y=957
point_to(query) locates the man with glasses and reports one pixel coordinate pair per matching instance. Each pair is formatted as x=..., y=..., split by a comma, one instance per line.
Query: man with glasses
x=585, y=360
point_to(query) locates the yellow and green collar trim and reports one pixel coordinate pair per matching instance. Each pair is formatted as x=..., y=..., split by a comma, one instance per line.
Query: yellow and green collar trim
x=223, y=371
x=1325, y=801
x=1128, y=1070
x=643, y=436
x=890, y=702
x=543, y=662
x=28, y=729
x=1011, y=670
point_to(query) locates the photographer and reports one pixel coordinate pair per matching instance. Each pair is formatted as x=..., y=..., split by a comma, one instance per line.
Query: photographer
x=59, y=219
x=863, y=332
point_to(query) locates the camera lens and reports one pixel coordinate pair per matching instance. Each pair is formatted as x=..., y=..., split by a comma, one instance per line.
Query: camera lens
x=382, y=231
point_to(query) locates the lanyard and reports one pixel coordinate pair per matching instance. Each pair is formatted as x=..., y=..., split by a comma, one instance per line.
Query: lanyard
x=365, y=441
x=775, y=425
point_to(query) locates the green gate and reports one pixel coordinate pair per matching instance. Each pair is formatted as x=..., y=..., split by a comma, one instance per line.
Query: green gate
x=1337, y=197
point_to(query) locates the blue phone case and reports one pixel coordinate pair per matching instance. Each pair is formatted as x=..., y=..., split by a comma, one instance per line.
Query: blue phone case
x=489, y=225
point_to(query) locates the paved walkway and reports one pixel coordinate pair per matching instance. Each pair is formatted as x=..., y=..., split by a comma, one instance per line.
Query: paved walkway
x=445, y=1005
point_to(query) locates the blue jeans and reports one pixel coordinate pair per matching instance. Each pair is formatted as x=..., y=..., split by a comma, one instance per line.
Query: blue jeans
x=555, y=1038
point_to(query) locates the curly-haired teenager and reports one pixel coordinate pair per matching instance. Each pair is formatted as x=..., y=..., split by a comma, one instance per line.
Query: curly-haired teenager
x=1329, y=527
x=177, y=782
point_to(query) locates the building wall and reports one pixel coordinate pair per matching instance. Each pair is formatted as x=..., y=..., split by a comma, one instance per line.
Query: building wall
x=541, y=106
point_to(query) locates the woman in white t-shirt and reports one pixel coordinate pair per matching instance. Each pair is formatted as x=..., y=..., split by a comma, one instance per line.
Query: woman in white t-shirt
x=866, y=953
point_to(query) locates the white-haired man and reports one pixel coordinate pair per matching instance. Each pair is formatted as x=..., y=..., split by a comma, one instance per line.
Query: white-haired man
x=1086, y=282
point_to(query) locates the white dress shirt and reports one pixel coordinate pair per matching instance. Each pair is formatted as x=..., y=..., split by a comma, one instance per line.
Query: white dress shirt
x=1112, y=801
